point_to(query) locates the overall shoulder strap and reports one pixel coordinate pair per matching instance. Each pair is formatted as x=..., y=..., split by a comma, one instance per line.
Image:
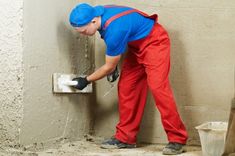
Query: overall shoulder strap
x=110, y=20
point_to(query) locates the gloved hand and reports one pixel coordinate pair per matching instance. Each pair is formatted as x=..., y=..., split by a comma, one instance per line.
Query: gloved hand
x=113, y=76
x=82, y=82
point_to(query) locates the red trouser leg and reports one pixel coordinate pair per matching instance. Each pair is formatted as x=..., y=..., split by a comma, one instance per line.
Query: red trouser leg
x=157, y=66
x=132, y=92
x=154, y=61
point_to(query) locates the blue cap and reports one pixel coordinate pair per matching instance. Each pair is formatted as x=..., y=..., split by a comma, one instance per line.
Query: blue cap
x=83, y=13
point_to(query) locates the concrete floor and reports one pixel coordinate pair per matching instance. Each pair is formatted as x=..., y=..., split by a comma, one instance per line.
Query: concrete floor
x=90, y=147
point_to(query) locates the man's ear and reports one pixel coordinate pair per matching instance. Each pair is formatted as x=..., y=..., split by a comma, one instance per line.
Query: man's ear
x=94, y=20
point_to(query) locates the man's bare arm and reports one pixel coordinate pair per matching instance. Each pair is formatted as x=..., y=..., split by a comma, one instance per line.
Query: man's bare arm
x=109, y=66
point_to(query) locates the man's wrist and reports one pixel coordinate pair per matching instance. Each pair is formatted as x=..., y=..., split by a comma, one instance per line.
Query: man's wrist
x=87, y=79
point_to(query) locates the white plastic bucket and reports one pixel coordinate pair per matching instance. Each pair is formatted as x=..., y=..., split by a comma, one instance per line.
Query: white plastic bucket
x=212, y=137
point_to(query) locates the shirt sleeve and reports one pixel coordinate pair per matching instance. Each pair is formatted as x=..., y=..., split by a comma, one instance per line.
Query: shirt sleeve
x=116, y=41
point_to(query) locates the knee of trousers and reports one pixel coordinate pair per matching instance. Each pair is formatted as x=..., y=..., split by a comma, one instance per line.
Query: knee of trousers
x=159, y=87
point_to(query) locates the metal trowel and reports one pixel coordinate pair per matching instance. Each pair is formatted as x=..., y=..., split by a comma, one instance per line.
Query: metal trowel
x=62, y=83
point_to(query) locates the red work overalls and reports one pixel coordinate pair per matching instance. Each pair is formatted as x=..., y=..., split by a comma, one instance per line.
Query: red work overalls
x=147, y=64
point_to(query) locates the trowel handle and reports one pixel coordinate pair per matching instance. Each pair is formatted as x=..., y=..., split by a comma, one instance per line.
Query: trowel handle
x=70, y=83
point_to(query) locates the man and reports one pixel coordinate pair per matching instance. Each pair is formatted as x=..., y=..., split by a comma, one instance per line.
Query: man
x=146, y=65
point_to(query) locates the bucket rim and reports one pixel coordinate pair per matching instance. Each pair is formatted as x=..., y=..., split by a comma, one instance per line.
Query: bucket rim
x=202, y=127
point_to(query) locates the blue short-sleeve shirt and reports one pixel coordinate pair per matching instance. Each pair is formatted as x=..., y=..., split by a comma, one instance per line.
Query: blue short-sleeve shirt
x=124, y=29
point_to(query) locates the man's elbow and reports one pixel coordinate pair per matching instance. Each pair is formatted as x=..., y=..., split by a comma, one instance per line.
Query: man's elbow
x=109, y=68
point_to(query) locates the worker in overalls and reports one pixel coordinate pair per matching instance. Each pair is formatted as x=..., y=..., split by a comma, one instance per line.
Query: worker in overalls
x=146, y=64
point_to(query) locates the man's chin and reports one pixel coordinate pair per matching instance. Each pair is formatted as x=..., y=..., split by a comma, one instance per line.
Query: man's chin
x=88, y=34
x=91, y=34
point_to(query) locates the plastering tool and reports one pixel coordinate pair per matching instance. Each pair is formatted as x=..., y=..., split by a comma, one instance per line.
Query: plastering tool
x=62, y=83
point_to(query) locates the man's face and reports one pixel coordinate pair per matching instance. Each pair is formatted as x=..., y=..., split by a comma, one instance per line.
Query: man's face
x=89, y=29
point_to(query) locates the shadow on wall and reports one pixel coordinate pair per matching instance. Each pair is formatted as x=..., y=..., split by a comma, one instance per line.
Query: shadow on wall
x=105, y=108
x=103, y=115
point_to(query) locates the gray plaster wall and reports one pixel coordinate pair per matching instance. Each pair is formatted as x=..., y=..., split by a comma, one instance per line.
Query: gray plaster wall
x=52, y=46
x=11, y=77
x=40, y=42
x=202, y=66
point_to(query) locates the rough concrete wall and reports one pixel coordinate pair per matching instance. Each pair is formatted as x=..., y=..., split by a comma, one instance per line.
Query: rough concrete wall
x=202, y=37
x=11, y=77
x=52, y=46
